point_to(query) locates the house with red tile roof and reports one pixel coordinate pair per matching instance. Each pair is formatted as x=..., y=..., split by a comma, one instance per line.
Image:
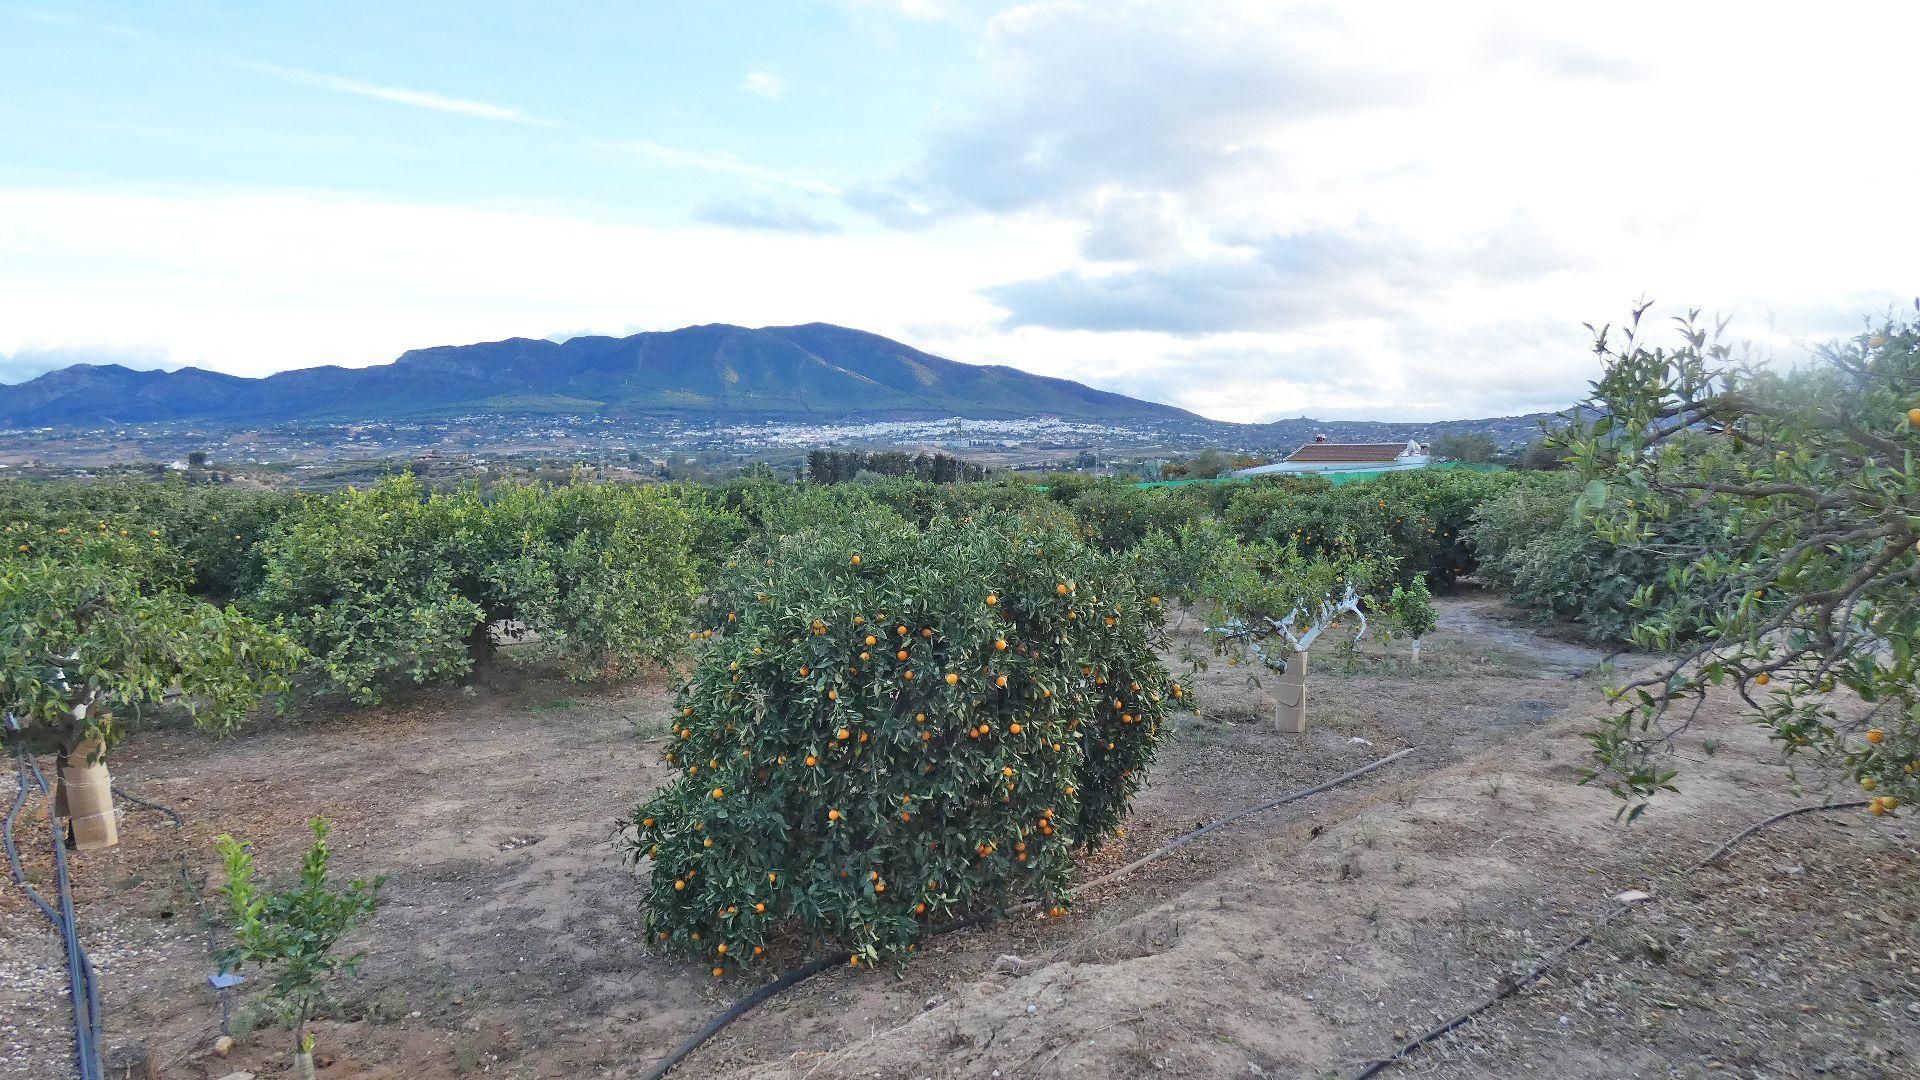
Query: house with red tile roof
x=1321, y=456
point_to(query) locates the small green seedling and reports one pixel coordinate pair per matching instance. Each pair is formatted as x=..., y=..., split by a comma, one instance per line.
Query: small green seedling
x=295, y=931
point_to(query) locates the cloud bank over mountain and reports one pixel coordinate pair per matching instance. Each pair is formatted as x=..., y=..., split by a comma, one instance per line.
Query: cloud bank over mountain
x=1250, y=208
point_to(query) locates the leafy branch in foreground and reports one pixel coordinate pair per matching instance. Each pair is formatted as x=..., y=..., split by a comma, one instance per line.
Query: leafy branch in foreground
x=1808, y=588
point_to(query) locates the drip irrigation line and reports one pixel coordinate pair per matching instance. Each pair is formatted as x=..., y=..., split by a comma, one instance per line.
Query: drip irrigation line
x=1511, y=986
x=146, y=805
x=80, y=973
x=82, y=981
x=1183, y=841
x=814, y=967
x=791, y=979
x=13, y=853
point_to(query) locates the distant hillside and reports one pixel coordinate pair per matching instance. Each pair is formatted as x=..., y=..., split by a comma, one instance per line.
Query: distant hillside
x=1284, y=436
x=816, y=371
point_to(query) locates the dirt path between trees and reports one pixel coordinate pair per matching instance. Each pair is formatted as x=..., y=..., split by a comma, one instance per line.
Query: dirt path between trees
x=1298, y=943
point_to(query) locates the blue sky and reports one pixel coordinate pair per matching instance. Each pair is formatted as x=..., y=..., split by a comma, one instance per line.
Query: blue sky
x=1250, y=208
x=536, y=98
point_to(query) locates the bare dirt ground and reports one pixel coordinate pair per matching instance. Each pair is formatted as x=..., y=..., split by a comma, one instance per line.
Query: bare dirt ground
x=1302, y=942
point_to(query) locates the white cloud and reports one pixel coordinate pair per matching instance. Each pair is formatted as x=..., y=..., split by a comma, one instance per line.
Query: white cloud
x=256, y=281
x=1130, y=227
x=924, y=10
x=764, y=215
x=764, y=83
x=716, y=162
x=419, y=99
x=1453, y=188
x=1250, y=208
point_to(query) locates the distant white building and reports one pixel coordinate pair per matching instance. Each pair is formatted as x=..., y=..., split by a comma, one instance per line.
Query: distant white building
x=1321, y=456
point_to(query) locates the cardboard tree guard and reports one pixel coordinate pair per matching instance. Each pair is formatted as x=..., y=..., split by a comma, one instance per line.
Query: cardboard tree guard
x=86, y=798
x=1290, y=691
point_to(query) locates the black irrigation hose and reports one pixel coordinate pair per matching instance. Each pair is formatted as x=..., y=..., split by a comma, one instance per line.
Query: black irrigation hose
x=145, y=805
x=791, y=979
x=13, y=853
x=83, y=983
x=814, y=967
x=1510, y=987
x=1291, y=796
x=86, y=1013
x=741, y=1008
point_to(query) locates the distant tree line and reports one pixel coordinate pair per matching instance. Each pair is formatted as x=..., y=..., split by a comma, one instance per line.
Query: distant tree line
x=839, y=466
x=1474, y=447
x=1207, y=465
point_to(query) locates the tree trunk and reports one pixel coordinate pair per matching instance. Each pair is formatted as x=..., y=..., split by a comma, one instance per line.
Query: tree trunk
x=303, y=1044
x=60, y=784
x=480, y=643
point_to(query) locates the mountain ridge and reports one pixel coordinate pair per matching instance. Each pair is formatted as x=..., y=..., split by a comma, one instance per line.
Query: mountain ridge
x=814, y=370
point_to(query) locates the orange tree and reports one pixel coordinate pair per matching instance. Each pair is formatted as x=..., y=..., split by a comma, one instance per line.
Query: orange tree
x=888, y=725
x=1119, y=516
x=209, y=536
x=88, y=628
x=365, y=581
x=395, y=584
x=1415, y=523
x=1807, y=586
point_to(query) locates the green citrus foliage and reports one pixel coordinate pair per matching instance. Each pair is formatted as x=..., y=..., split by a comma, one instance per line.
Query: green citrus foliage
x=1409, y=609
x=395, y=585
x=1807, y=586
x=602, y=573
x=922, y=503
x=365, y=582
x=749, y=511
x=208, y=536
x=1411, y=522
x=1244, y=588
x=91, y=625
x=887, y=725
x=294, y=932
x=1120, y=516
x=1533, y=544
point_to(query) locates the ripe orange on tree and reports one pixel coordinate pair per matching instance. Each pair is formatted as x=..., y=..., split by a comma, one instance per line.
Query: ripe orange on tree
x=980, y=793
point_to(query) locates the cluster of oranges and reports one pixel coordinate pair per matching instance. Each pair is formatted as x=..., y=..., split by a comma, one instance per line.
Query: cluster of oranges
x=1884, y=803
x=964, y=708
